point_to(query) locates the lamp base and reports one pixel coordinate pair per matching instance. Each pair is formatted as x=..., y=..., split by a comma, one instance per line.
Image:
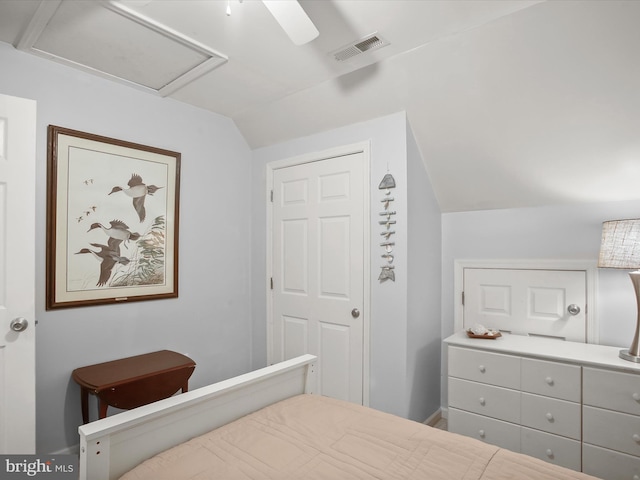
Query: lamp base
x=625, y=355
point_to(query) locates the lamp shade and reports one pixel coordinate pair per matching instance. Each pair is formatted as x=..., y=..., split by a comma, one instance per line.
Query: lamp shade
x=620, y=247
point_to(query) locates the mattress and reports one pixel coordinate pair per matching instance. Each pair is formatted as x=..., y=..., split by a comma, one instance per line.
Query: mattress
x=314, y=437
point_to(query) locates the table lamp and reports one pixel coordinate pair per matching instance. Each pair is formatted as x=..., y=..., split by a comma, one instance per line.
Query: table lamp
x=620, y=248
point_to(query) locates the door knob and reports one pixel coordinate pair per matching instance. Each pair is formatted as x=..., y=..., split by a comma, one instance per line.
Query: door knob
x=19, y=324
x=355, y=313
x=573, y=309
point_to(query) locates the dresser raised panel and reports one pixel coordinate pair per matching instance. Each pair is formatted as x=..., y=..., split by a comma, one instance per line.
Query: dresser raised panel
x=551, y=448
x=491, y=401
x=552, y=379
x=572, y=404
x=496, y=432
x=609, y=429
x=485, y=367
x=609, y=464
x=612, y=390
x=551, y=415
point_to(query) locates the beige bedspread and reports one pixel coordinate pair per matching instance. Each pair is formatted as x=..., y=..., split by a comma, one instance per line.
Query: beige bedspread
x=313, y=437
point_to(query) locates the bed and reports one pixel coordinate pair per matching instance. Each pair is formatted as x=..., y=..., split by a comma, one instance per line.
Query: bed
x=267, y=424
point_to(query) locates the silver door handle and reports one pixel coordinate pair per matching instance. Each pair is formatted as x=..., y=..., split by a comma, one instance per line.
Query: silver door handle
x=573, y=309
x=355, y=313
x=19, y=324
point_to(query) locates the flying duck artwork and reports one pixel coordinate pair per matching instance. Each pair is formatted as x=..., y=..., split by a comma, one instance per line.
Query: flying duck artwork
x=120, y=236
x=109, y=256
x=112, y=220
x=118, y=231
x=137, y=191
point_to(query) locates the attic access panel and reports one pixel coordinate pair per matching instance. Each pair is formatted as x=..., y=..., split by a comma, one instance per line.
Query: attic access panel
x=527, y=302
x=115, y=41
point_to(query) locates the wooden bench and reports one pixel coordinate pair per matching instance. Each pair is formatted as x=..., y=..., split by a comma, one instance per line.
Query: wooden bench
x=134, y=381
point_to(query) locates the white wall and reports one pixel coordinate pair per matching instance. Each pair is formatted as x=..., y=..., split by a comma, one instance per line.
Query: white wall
x=424, y=288
x=210, y=321
x=568, y=232
x=391, y=378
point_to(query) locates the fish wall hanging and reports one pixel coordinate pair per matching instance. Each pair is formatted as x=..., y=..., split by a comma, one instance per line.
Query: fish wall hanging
x=387, y=222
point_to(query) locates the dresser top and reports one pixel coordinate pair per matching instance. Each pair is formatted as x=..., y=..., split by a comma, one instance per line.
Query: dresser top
x=586, y=354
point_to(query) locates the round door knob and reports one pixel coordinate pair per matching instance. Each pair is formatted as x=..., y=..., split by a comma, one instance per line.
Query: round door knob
x=573, y=309
x=19, y=324
x=355, y=313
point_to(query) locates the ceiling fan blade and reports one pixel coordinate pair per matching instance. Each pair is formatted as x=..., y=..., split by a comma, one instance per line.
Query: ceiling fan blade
x=293, y=20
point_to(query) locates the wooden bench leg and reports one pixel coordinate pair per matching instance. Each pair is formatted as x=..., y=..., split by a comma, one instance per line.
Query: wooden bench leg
x=84, y=402
x=102, y=408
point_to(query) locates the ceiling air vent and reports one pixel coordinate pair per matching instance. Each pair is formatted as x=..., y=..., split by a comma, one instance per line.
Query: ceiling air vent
x=370, y=42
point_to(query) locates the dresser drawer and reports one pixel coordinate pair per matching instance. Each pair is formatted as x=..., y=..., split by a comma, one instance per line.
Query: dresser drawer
x=558, y=380
x=496, y=402
x=551, y=448
x=612, y=390
x=551, y=415
x=489, y=430
x=603, y=463
x=617, y=431
x=485, y=367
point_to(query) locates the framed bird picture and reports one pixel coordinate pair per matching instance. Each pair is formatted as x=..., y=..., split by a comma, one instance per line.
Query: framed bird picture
x=112, y=220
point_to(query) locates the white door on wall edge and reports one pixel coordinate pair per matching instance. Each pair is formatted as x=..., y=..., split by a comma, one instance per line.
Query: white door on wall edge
x=17, y=275
x=318, y=235
x=550, y=303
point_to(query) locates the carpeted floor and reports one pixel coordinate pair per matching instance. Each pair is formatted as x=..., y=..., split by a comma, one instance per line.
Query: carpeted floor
x=441, y=424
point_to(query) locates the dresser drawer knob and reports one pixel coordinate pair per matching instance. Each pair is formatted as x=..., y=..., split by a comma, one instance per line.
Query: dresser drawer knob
x=549, y=417
x=549, y=453
x=636, y=477
x=636, y=438
x=549, y=380
x=636, y=396
x=481, y=433
x=482, y=401
x=482, y=369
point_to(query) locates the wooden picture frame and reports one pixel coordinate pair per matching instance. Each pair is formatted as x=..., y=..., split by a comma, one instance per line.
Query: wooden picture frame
x=112, y=220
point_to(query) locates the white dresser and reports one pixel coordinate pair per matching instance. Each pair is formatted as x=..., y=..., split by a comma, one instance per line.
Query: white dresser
x=572, y=404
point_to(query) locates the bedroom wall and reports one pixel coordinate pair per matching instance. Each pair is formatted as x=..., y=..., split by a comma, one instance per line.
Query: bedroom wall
x=569, y=232
x=210, y=321
x=424, y=287
x=391, y=378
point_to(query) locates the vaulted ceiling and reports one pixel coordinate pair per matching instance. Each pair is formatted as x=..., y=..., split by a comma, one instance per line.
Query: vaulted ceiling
x=512, y=103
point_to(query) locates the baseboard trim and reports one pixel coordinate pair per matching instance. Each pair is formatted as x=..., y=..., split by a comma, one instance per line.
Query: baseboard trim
x=434, y=418
x=72, y=450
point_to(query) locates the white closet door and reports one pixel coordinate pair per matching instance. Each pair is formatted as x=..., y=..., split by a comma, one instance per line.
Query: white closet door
x=318, y=270
x=17, y=275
